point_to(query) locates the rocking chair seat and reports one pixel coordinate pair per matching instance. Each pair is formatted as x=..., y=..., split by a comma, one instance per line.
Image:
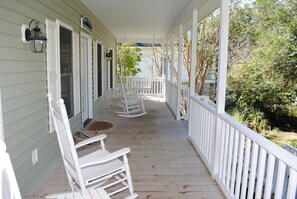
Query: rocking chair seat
x=90, y=162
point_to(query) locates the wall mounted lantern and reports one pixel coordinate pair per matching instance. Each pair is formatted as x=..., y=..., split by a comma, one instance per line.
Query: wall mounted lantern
x=108, y=55
x=35, y=38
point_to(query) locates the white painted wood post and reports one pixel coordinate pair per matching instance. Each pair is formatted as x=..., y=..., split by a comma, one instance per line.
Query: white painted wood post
x=193, y=64
x=179, y=70
x=163, y=60
x=222, y=76
x=164, y=69
x=166, y=61
x=172, y=59
x=153, y=46
x=193, y=52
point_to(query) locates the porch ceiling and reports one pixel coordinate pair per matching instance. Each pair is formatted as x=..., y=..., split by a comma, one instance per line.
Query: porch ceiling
x=141, y=20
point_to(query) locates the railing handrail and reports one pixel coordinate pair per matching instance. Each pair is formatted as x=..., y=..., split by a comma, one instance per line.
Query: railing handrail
x=141, y=78
x=150, y=87
x=280, y=153
x=205, y=104
x=266, y=144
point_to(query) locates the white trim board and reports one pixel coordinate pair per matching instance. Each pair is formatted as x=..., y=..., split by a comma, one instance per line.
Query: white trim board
x=89, y=75
x=1, y=120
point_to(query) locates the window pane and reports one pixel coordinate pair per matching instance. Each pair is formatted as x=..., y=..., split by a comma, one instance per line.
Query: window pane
x=99, y=69
x=66, y=89
x=111, y=72
x=66, y=69
x=66, y=50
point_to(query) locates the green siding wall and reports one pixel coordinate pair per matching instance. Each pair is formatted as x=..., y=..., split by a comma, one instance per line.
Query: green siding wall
x=23, y=84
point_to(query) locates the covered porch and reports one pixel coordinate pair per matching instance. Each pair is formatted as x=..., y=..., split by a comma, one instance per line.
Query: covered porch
x=213, y=156
x=163, y=162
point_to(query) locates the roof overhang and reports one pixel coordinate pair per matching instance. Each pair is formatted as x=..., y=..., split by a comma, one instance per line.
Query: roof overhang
x=148, y=20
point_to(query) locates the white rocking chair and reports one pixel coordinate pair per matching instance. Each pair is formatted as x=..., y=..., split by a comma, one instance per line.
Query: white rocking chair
x=97, y=169
x=132, y=104
x=9, y=188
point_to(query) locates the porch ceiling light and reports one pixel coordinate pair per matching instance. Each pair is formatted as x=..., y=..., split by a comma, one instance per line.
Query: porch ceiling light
x=35, y=38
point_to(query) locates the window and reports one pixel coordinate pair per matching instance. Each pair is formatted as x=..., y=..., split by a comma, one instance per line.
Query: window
x=66, y=69
x=111, y=71
x=63, y=74
x=99, y=70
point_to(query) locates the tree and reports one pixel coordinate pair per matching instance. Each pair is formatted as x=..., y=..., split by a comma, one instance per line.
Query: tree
x=128, y=57
x=207, y=50
x=263, y=63
x=154, y=55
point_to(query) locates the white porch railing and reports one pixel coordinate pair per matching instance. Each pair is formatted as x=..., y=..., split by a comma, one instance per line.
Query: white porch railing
x=146, y=86
x=245, y=164
x=171, y=99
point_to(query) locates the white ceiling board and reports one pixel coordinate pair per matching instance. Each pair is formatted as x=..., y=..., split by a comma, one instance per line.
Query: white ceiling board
x=140, y=20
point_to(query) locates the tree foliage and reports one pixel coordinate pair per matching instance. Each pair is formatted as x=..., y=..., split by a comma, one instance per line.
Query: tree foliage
x=262, y=59
x=263, y=56
x=128, y=57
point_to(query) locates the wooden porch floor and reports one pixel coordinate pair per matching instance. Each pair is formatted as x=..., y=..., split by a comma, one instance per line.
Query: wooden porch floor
x=163, y=163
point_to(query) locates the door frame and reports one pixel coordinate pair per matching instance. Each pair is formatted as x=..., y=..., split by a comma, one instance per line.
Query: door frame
x=89, y=75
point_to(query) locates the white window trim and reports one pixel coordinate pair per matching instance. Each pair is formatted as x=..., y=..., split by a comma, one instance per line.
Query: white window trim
x=53, y=73
x=75, y=51
x=76, y=73
x=1, y=120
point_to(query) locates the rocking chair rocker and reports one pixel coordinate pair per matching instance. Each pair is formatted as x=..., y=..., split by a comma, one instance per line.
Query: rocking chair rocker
x=97, y=169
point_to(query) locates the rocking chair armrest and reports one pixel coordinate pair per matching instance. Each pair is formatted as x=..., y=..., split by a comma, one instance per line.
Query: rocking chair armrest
x=90, y=140
x=108, y=157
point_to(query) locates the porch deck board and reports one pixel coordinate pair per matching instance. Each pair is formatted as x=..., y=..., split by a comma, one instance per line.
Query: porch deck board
x=163, y=163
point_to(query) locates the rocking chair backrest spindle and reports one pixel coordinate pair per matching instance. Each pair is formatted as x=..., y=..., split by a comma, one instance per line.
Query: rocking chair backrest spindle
x=65, y=139
x=122, y=89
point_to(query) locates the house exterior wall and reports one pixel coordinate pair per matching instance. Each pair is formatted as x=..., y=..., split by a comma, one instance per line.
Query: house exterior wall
x=23, y=84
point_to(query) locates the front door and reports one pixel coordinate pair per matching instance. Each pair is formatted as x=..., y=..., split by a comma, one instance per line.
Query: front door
x=86, y=89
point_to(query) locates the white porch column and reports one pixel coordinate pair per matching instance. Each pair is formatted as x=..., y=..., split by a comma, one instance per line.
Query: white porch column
x=222, y=77
x=163, y=60
x=193, y=52
x=164, y=69
x=172, y=58
x=179, y=70
x=193, y=65
x=166, y=61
